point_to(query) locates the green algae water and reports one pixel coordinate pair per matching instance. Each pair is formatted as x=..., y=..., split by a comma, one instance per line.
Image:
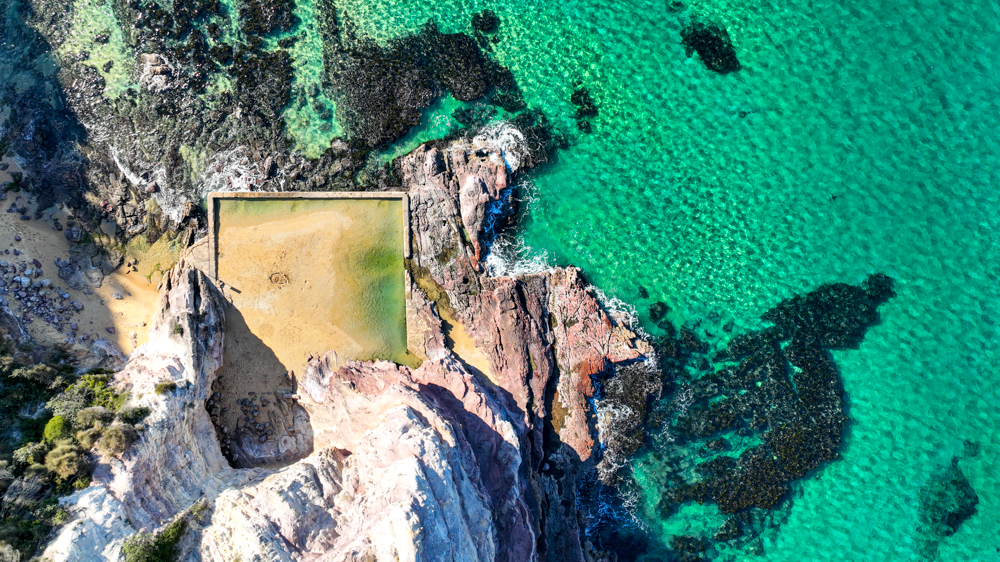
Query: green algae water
x=856, y=138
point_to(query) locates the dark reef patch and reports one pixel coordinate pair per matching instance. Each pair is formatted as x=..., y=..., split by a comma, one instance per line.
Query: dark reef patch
x=945, y=503
x=382, y=91
x=753, y=416
x=713, y=45
x=796, y=412
x=584, y=103
x=540, y=136
x=486, y=22
x=264, y=17
x=585, y=108
x=262, y=75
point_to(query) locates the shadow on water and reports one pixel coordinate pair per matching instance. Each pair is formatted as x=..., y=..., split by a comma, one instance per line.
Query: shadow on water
x=40, y=127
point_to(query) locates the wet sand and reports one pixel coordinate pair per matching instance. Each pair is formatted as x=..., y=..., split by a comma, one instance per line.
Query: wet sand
x=462, y=345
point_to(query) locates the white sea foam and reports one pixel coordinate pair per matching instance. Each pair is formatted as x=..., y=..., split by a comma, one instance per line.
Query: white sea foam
x=508, y=138
x=509, y=255
x=622, y=312
x=229, y=171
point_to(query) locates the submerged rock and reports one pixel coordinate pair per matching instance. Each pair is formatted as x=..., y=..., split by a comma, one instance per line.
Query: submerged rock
x=486, y=22
x=713, y=46
x=797, y=413
x=658, y=310
x=946, y=502
x=585, y=106
x=385, y=89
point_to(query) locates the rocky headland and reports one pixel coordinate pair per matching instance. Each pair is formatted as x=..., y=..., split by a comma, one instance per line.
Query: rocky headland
x=512, y=436
x=439, y=462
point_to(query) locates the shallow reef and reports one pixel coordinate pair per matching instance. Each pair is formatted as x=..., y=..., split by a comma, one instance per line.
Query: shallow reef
x=743, y=422
x=382, y=91
x=797, y=412
x=586, y=109
x=946, y=501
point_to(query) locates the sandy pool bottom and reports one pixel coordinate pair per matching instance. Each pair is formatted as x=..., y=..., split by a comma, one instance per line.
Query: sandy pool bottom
x=306, y=276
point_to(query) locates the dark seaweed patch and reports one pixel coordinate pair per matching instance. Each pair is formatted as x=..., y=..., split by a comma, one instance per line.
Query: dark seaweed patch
x=797, y=413
x=585, y=109
x=486, y=22
x=264, y=17
x=945, y=503
x=778, y=386
x=713, y=45
x=383, y=90
x=262, y=81
x=541, y=138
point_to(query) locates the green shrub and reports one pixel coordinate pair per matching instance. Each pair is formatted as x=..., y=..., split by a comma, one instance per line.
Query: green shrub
x=57, y=428
x=42, y=374
x=133, y=415
x=89, y=390
x=69, y=402
x=103, y=394
x=177, y=330
x=162, y=547
x=67, y=460
x=32, y=453
x=24, y=533
x=32, y=377
x=89, y=417
x=88, y=437
x=116, y=440
x=36, y=470
x=165, y=387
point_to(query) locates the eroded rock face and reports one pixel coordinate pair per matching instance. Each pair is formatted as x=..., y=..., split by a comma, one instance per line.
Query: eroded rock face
x=402, y=480
x=440, y=462
x=545, y=334
x=177, y=460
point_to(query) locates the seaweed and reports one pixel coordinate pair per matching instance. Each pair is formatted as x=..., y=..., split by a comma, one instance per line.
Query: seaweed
x=798, y=413
x=713, y=45
x=382, y=91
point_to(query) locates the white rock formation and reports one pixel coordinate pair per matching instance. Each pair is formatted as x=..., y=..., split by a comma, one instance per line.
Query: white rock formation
x=398, y=483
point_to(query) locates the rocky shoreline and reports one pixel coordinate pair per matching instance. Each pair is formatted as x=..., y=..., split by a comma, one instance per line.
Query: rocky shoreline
x=514, y=436
x=475, y=466
x=504, y=436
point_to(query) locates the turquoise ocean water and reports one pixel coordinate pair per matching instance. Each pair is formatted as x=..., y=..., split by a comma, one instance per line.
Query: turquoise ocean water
x=868, y=141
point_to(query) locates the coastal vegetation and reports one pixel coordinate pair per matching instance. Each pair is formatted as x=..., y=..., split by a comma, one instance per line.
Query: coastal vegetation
x=161, y=546
x=50, y=421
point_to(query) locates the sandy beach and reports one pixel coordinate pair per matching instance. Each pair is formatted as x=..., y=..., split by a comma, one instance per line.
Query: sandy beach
x=121, y=321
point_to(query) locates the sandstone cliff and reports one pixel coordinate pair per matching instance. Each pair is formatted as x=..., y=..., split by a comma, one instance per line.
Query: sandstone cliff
x=443, y=462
